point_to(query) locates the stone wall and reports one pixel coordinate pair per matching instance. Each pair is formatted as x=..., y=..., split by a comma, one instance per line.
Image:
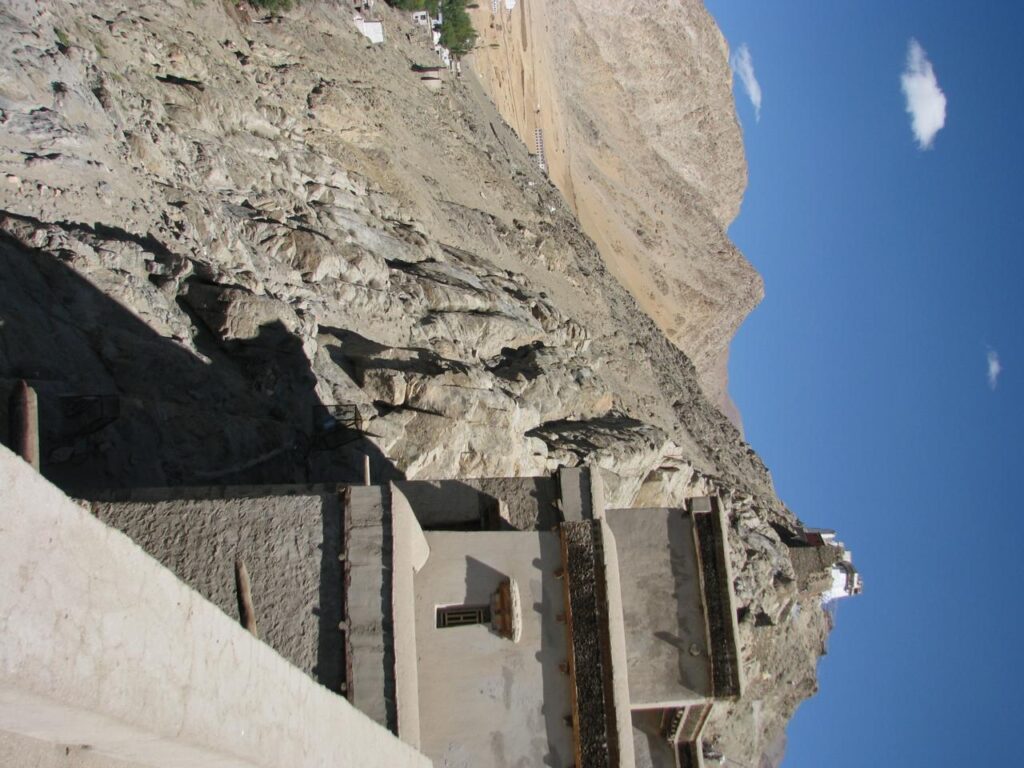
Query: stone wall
x=725, y=661
x=289, y=544
x=594, y=719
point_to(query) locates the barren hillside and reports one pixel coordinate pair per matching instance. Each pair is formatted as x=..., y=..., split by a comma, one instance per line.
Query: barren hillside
x=634, y=102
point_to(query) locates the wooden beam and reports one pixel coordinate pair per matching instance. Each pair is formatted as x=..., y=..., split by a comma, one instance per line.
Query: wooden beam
x=245, y=607
x=23, y=410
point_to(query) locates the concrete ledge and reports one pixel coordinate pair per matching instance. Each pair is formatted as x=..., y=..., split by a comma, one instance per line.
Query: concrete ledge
x=574, y=490
x=617, y=640
x=101, y=645
x=368, y=603
x=410, y=555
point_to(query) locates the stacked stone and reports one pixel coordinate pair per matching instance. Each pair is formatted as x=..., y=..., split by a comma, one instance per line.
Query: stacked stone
x=590, y=648
x=724, y=671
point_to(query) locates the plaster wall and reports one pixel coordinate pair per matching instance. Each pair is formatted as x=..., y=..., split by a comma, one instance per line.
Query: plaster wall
x=651, y=749
x=22, y=752
x=484, y=700
x=666, y=643
x=101, y=645
x=410, y=554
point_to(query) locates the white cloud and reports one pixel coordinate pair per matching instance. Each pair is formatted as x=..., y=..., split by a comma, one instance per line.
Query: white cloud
x=994, y=368
x=743, y=65
x=926, y=103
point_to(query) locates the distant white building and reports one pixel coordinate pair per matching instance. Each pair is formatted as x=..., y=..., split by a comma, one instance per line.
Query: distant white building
x=440, y=50
x=421, y=18
x=371, y=30
x=845, y=580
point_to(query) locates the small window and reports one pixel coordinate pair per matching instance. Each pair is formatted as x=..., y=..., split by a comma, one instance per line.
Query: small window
x=463, y=615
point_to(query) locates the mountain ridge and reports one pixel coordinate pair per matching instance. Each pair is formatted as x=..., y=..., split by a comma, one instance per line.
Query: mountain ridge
x=634, y=106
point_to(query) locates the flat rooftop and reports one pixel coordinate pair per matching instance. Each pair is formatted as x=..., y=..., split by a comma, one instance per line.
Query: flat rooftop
x=659, y=573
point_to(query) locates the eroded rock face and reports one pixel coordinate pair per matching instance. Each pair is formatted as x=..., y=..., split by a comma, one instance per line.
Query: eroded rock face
x=241, y=250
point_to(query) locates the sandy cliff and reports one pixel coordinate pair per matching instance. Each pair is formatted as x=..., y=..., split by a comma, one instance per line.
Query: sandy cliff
x=239, y=249
x=634, y=102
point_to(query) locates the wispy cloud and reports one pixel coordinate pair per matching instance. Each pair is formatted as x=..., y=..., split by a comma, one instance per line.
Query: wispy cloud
x=994, y=368
x=926, y=103
x=743, y=65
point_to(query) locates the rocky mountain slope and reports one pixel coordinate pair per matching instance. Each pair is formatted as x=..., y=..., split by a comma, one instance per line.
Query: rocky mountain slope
x=236, y=248
x=634, y=104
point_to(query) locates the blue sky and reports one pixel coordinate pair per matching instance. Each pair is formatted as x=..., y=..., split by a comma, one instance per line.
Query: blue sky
x=891, y=272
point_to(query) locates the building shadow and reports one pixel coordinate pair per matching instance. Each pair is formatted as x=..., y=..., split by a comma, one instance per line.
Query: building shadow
x=481, y=582
x=230, y=413
x=689, y=639
x=647, y=725
x=357, y=355
x=227, y=419
x=451, y=505
x=476, y=504
x=331, y=662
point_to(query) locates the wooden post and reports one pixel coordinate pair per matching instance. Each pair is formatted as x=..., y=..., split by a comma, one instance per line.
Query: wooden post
x=23, y=411
x=245, y=607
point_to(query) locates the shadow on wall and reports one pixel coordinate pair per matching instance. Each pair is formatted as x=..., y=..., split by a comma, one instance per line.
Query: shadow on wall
x=245, y=415
x=451, y=505
x=481, y=582
x=689, y=642
x=331, y=662
x=475, y=504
